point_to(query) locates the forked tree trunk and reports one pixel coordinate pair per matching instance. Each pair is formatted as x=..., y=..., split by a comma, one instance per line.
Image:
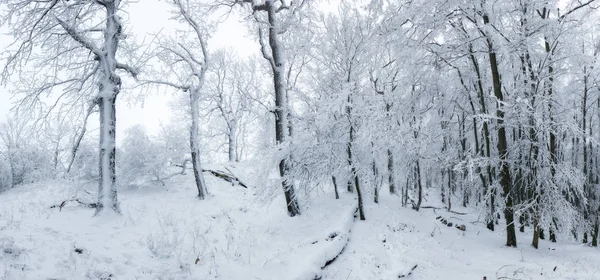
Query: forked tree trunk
x=354, y=177
x=194, y=145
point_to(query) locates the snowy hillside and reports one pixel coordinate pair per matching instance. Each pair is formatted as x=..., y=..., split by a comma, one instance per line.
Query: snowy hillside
x=166, y=233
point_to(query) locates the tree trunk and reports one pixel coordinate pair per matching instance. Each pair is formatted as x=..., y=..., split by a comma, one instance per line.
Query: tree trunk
x=536, y=231
x=195, y=145
x=350, y=185
x=390, y=166
x=232, y=141
x=505, y=181
x=107, y=186
x=335, y=187
x=486, y=182
x=375, y=185
x=80, y=137
x=595, y=232
x=282, y=125
x=361, y=212
x=419, y=185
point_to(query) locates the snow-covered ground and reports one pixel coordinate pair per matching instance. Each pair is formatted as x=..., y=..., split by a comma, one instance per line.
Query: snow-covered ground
x=166, y=233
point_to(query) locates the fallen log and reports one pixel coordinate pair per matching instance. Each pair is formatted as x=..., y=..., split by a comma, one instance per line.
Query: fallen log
x=337, y=242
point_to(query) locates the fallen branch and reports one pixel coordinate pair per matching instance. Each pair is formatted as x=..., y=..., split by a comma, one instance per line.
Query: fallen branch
x=64, y=203
x=227, y=177
x=457, y=213
x=407, y=273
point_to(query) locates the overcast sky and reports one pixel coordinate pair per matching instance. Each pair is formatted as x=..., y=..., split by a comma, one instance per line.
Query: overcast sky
x=145, y=18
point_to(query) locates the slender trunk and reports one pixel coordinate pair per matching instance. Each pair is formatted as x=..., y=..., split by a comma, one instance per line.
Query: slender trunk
x=232, y=141
x=486, y=182
x=390, y=165
x=80, y=137
x=390, y=155
x=56, y=153
x=335, y=187
x=595, y=231
x=536, y=231
x=405, y=193
x=361, y=212
x=505, y=181
x=375, y=185
x=195, y=145
x=417, y=171
x=353, y=173
x=450, y=185
x=350, y=185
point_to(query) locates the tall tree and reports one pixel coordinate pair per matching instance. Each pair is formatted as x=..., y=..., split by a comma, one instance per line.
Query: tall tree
x=186, y=58
x=76, y=45
x=275, y=16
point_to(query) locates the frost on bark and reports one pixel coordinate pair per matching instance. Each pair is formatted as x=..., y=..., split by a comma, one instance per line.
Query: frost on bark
x=107, y=187
x=73, y=45
x=273, y=51
x=194, y=145
x=505, y=180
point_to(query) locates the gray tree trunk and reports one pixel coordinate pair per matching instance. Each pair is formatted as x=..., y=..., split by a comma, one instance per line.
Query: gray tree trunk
x=281, y=107
x=195, y=146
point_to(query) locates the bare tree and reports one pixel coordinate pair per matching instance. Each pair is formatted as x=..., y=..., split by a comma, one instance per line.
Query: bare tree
x=75, y=44
x=275, y=16
x=189, y=66
x=232, y=86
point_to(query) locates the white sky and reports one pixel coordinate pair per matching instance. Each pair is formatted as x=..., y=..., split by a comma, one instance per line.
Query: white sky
x=145, y=18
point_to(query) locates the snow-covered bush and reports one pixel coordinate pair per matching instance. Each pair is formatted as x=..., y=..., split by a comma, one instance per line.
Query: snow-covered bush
x=140, y=159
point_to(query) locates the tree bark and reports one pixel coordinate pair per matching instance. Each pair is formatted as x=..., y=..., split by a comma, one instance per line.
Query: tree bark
x=335, y=187
x=80, y=136
x=390, y=165
x=281, y=107
x=194, y=145
x=505, y=181
x=107, y=186
x=232, y=141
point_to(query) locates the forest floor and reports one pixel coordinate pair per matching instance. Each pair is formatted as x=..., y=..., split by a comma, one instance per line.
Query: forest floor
x=165, y=232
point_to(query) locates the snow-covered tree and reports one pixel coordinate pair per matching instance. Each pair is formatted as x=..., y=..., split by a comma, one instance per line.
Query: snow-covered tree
x=77, y=45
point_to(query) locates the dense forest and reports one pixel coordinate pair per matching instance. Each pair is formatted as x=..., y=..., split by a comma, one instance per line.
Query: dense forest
x=486, y=106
